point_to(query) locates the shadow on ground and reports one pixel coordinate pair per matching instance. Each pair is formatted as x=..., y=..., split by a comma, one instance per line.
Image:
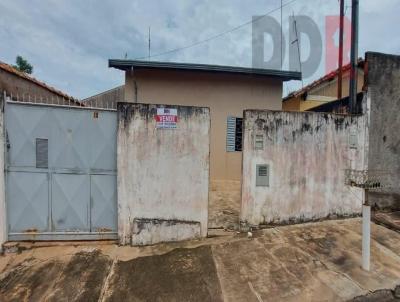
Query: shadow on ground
x=79, y=279
x=180, y=275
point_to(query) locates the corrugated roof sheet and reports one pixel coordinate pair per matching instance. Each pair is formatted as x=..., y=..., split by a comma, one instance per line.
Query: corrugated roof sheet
x=128, y=64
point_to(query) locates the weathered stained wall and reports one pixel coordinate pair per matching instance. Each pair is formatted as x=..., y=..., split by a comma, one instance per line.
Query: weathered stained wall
x=307, y=154
x=163, y=174
x=3, y=215
x=383, y=84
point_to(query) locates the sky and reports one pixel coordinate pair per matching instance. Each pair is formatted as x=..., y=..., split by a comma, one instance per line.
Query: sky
x=69, y=42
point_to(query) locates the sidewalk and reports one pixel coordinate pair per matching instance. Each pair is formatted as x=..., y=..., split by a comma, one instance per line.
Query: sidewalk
x=307, y=262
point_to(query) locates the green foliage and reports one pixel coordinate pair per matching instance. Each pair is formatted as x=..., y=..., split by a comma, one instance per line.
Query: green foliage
x=23, y=65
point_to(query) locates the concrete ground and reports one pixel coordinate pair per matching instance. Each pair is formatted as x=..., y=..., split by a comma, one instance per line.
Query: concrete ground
x=224, y=204
x=309, y=262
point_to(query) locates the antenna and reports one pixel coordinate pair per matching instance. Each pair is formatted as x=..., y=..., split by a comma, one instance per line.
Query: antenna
x=149, y=42
x=298, y=47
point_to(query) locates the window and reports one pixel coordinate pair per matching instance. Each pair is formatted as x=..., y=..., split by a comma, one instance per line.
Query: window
x=42, y=153
x=262, y=175
x=259, y=142
x=234, y=134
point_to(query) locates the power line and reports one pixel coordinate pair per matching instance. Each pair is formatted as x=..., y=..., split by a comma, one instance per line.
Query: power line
x=217, y=35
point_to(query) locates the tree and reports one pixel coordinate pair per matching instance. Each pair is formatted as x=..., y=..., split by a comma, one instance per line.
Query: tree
x=23, y=65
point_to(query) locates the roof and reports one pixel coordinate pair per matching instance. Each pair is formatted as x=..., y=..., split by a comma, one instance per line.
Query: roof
x=335, y=106
x=10, y=69
x=326, y=78
x=129, y=64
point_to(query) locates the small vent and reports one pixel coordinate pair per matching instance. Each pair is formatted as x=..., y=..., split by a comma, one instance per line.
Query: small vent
x=353, y=141
x=259, y=144
x=262, y=177
x=42, y=153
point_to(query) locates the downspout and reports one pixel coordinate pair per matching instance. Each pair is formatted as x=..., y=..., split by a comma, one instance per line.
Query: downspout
x=135, y=86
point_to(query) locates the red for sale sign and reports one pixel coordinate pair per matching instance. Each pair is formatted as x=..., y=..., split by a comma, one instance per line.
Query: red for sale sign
x=167, y=118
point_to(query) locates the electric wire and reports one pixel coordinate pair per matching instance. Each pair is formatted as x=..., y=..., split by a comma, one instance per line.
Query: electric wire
x=215, y=36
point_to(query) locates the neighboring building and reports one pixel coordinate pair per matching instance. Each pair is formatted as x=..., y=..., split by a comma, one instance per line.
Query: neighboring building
x=106, y=99
x=21, y=86
x=226, y=90
x=323, y=90
x=339, y=106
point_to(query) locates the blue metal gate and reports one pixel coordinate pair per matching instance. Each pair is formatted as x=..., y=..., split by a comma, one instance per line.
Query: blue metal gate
x=61, y=172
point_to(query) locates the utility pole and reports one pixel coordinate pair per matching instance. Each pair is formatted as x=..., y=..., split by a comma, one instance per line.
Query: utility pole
x=340, y=64
x=365, y=180
x=353, y=57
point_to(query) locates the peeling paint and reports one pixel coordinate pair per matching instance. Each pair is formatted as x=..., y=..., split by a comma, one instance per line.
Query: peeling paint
x=150, y=231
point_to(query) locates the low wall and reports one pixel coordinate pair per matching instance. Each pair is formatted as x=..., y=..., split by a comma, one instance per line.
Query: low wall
x=163, y=174
x=306, y=154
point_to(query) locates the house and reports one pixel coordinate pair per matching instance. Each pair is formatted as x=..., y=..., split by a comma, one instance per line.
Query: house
x=323, y=90
x=226, y=90
x=341, y=106
x=106, y=99
x=139, y=173
x=21, y=86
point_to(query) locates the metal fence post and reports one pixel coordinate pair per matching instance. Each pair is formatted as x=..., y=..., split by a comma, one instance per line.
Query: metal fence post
x=366, y=232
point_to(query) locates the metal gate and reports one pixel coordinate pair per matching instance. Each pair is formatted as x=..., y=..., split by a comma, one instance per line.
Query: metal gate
x=61, y=172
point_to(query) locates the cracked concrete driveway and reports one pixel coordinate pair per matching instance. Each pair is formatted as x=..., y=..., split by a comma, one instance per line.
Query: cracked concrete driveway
x=309, y=262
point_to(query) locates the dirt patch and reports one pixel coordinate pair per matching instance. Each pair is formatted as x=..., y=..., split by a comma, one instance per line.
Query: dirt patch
x=29, y=281
x=180, y=275
x=80, y=279
x=384, y=295
x=224, y=204
x=389, y=219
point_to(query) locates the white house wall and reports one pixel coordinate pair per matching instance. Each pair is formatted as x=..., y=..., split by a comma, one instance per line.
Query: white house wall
x=307, y=154
x=163, y=174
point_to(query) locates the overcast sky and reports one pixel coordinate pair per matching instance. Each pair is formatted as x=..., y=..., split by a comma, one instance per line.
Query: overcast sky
x=69, y=42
